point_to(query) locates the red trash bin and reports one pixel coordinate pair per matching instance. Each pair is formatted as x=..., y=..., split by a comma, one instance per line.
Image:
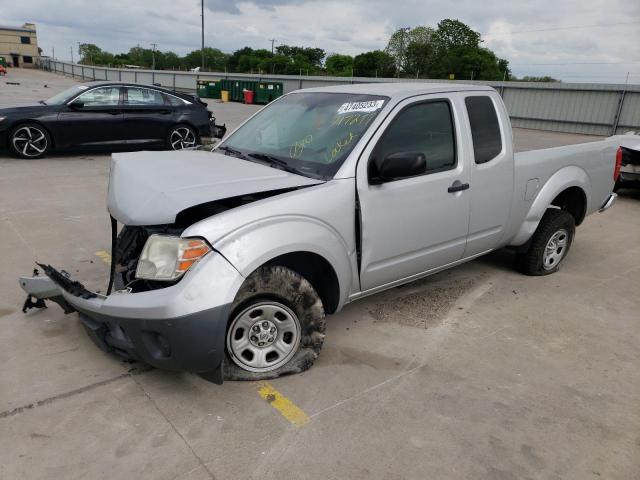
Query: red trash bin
x=248, y=96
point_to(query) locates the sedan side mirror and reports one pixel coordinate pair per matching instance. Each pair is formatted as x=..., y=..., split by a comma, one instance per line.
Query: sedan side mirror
x=402, y=165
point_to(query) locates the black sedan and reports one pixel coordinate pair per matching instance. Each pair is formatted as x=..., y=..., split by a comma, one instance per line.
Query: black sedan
x=109, y=115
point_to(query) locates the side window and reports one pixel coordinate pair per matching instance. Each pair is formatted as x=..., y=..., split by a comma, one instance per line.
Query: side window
x=485, y=130
x=101, y=97
x=424, y=127
x=144, y=96
x=175, y=101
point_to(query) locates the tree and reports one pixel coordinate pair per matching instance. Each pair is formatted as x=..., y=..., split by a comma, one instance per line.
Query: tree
x=91, y=54
x=339, y=65
x=374, y=64
x=214, y=59
x=454, y=33
x=545, y=78
x=406, y=40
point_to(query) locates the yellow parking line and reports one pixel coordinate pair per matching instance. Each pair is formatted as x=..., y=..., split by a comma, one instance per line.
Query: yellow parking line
x=104, y=256
x=282, y=404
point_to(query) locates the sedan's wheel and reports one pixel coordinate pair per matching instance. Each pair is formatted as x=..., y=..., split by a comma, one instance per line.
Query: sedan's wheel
x=276, y=326
x=549, y=245
x=182, y=136
x=29, y=141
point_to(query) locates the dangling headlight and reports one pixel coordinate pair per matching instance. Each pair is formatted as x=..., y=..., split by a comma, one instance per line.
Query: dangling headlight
x=168, y=258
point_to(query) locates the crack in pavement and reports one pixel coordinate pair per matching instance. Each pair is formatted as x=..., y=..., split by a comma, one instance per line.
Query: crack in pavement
x=177, y=432
x=131, y=373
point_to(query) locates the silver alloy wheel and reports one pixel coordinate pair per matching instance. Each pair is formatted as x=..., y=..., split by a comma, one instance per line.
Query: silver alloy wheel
x=29, y=141
x=182, y=137
x=263, y=337
x=555, y=250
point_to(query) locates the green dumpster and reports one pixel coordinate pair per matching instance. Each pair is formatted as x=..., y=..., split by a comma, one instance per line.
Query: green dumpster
x=268, y=91
x=213, y=89
x=236, y=88
x=201, y=88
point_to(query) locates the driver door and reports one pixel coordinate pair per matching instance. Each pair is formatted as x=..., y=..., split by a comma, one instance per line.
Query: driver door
x=94, y=118
x=412, y=225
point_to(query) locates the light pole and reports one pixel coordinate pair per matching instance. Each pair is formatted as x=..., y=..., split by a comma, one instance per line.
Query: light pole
x=71, y=50
x=273, y=65
x=202, y=15
x=153, y=56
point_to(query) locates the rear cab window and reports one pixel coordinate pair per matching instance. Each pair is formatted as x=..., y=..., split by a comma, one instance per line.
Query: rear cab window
x=485, y=128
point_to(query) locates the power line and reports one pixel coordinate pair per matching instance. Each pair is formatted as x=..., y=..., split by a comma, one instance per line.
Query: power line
x=571, y=27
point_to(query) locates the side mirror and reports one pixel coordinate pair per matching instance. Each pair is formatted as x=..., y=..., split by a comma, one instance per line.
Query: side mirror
x=402, y=165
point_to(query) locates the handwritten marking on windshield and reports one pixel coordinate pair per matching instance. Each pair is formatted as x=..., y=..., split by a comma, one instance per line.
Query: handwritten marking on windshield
x=297, y=148
x=352, y=119
x=340, y=145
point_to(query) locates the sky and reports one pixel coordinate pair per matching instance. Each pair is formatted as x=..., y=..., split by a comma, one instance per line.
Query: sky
x=573, y=40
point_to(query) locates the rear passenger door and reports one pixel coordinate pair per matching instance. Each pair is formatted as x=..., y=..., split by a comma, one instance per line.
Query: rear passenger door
x=416, y=224
x=491, y=171
x=147, y=115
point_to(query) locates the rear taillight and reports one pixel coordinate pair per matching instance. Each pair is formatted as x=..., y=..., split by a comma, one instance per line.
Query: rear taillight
x=616, y=171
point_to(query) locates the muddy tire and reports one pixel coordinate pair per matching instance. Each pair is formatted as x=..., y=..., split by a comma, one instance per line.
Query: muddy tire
x=550, y=244
x=276, y=326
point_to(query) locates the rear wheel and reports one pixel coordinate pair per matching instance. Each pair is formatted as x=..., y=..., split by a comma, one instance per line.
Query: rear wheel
x=29, y=140
x=182, y=136
x=276, y=326
x=549, y=245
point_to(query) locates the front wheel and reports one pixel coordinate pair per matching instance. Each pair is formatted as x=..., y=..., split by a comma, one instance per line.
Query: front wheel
x=276, y=327
x=29, y=140
x=181, y=137
x=549, y=245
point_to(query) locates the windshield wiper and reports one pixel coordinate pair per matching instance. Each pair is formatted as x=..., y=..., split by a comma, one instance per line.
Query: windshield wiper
x=232, y=151
x=275, y=161
x=42, y=102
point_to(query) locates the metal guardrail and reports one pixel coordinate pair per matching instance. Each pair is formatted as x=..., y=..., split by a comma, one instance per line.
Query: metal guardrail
x=595, y=109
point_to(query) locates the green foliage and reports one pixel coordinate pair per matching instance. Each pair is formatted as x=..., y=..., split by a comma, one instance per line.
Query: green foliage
x=452, y=48
x=422, y=51
x=339, y=65
x=528, y=78
x=374, y=64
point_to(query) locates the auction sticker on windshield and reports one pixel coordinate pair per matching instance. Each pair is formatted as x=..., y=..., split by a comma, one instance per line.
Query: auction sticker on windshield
x=370, y=106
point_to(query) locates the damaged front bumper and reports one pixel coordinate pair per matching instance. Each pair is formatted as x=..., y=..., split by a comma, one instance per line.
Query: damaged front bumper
x=178, y=328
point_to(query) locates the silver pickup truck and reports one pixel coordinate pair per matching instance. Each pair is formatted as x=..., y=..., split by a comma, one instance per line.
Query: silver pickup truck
x=227, y=262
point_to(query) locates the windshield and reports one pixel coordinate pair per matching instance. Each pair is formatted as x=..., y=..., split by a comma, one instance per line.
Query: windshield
x=309, y=133
x=62, y=97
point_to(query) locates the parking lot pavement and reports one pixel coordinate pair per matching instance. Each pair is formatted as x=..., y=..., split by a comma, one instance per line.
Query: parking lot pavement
x=477, y=372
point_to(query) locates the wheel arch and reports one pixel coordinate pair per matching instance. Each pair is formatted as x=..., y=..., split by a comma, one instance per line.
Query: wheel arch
x=568, y=189
x=22, y=122
x=314, y=250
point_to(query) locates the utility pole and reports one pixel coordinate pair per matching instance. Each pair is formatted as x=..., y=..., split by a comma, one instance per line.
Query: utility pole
x=153, y=56
x=273, y=41
x=71, y=50
x=53, y=53
x=202, y=48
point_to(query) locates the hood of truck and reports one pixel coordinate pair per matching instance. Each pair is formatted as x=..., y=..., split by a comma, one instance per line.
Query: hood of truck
x=151, y=188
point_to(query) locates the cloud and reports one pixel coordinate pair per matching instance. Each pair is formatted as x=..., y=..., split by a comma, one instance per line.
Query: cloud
x=522, y=32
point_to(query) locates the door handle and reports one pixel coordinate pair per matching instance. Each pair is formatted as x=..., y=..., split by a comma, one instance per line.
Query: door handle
x=458, y=187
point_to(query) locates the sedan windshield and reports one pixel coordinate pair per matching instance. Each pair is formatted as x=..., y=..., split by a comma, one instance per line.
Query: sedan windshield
x=62, y=97
x=307, y=133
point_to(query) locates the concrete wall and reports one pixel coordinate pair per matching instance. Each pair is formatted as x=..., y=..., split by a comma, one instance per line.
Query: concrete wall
x=595, y=109
x=10, y=43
